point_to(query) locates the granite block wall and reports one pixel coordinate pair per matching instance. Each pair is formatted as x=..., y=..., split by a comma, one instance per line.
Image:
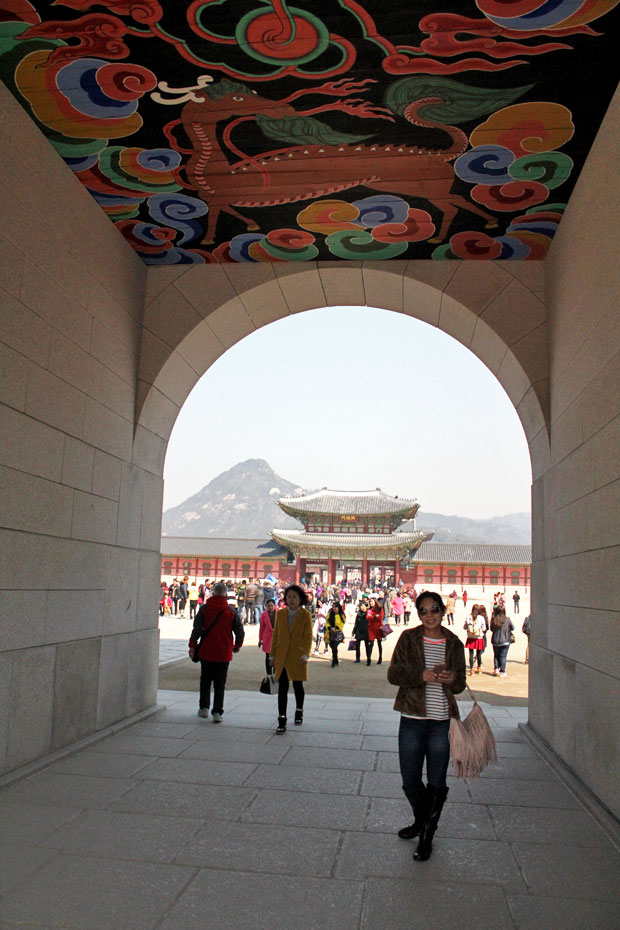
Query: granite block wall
x=79, y=524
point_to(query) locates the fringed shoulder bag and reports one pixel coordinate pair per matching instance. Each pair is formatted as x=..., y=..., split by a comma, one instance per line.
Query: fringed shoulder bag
x=472, y=744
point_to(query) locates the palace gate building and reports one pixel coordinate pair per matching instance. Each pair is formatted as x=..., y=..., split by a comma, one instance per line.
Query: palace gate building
x=352, y=536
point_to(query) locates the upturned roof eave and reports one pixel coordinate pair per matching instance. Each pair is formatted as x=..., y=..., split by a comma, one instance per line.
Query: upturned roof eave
x=302, y=514
x=386, y=546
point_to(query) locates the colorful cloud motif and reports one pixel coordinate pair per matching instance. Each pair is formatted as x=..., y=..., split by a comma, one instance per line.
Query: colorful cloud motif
x=528, y=237
x=536, y=15
x=87, y=98
x=526, y=127
x=379, y=226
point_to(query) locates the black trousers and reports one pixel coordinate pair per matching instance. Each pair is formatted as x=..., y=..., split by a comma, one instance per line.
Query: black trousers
x=379, y=646
x=298, y=688
x=213, y=673
x=358, y=646
x=268, y=665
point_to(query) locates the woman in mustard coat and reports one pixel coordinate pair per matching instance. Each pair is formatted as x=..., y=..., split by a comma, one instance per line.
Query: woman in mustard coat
x=290, y=651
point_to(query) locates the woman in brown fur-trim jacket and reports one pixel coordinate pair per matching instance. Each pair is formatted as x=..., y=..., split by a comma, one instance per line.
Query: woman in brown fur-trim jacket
x=428, y=665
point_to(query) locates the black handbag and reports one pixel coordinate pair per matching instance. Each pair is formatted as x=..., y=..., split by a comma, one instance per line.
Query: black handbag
x=268, y=685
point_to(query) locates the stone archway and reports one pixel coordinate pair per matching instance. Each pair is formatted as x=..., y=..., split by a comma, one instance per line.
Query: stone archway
x=96, y=362
x=193, y=315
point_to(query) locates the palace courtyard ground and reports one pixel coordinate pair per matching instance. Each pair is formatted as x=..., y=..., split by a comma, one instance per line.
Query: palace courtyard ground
x=174, y=823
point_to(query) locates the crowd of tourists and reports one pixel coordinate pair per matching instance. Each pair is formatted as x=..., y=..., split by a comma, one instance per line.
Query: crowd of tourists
x=427, y=666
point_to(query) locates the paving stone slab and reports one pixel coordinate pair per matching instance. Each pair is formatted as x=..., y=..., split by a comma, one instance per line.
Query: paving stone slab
x=21, y=822
x=299, y=736
x=547, y=868
x=77, y=791
x=232, y=751
x=381, y=728
x=337, y=712
x=388, y=762
x=373, y=855
x=465, y=821
x=266, y=722
x=506, y=750
x=390, y=785
x=520, y=768
x=18, y=862
x=380, y=743
x=198, y=771
x=553, y=913
x=329, y=724
x=152, y=728
x=207, y=730
x=112, y=834
x=354, y=759
x=424, y=903
x=521, y=793
x=297, y=778
x=127, y=744
x=308, y=809
x=178, y=799
x=508, y=734
x=104, y=764
x=262, y=902
x=547, y=826
x=97, y=894
x=261, y=847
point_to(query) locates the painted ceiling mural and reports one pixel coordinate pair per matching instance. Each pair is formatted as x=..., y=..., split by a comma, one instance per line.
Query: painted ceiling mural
x=262, y=131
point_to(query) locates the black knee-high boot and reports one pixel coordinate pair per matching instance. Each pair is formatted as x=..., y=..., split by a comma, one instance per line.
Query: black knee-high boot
x=417, y=799
x=435, y=800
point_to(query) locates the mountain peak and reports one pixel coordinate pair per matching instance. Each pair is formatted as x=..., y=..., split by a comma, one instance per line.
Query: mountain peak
x=241, y=502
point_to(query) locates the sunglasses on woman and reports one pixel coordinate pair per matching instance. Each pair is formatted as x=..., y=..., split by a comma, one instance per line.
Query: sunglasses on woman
x=429, y=610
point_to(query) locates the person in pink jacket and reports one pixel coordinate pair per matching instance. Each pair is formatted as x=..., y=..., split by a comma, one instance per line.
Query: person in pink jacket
x=398, y=608
x=265, y=632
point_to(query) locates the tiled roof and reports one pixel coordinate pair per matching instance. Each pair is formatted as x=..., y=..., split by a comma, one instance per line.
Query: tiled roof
x=360, y=503
x=212, y=547
x=480, y=553
x=299, y=541
x=470, y=553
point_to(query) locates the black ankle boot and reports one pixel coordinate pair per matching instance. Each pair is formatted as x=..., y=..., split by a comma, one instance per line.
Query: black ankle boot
x=299, y=717
x=281, y=725
x=417, y=800
x=435, y=800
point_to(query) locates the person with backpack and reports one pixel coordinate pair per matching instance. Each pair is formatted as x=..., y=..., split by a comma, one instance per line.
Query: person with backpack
x=501, y=637
x=216, y=625
x=526, y=630
x=475, y=627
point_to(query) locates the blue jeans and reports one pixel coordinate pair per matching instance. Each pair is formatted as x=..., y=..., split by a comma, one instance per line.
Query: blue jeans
x=499, y=656
x=420, y=739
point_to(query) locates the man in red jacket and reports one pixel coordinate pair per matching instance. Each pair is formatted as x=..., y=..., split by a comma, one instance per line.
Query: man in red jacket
x=217, y=623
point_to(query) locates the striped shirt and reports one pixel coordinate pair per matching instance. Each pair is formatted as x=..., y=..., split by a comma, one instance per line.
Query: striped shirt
x=436, y=700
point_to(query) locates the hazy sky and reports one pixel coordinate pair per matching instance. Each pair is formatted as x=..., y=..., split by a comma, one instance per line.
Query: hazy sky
x=356, y=398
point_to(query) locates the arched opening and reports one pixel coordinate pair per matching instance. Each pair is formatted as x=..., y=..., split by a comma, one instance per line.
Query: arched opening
x=497, y=357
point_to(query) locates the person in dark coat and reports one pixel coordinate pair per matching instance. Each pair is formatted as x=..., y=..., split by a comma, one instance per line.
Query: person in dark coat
x=360, y=630
x=218, y=624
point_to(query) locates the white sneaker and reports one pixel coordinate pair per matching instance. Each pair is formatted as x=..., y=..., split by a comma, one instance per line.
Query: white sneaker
x=217, y=718
x=503, y=675
x=203, y=712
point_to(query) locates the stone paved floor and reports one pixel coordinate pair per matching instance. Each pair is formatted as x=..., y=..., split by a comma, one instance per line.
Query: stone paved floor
x=179, y=824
